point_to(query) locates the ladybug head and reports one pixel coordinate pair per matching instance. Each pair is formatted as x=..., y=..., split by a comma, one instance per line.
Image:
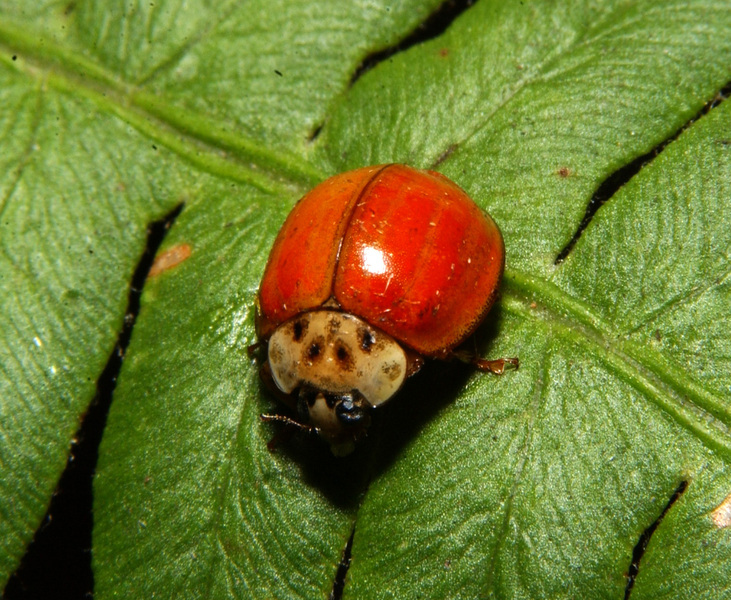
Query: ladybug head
x=338, y=368
x=339, y=418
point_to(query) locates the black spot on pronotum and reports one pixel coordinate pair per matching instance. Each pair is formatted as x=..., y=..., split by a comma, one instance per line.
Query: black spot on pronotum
x=344, y=357
x=313, y=350
x=297, y=331
x=366, y=340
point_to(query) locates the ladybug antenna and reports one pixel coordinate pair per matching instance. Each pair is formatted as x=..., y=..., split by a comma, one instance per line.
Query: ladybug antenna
x=290, y=426
x=287, y=421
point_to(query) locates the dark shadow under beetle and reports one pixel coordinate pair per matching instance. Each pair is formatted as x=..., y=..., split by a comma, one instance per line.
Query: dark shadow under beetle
x=345, y=479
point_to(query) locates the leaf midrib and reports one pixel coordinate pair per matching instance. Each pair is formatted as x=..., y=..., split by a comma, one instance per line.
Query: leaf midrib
x=196, y=138
x=24, y=158
x=201, y=36
x=692, y=405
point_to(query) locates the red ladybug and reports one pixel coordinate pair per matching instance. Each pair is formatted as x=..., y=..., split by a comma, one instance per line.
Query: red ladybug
x=372, y=271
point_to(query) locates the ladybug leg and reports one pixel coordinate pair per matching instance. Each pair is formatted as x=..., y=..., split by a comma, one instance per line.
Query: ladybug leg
x=253, y=348
x=496, y=366
x=290, y=427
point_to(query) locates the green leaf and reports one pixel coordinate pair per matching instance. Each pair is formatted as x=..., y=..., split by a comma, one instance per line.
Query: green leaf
x=77, y=189
x=535, y=484
x=100, y=137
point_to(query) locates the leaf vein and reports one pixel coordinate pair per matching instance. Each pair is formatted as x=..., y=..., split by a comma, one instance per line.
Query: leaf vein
x=539, y=397
x=690, y=404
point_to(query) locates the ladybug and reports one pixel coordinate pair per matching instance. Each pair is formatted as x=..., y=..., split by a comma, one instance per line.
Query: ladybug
x=373, y=271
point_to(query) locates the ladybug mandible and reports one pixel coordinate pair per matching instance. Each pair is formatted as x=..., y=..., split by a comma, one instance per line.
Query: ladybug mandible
x=373, y=270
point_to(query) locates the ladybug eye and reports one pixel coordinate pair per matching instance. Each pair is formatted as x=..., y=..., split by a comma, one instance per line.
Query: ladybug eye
x=349, y=412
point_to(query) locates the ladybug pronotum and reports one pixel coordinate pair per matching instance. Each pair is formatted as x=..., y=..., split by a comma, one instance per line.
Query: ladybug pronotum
x=373, y=271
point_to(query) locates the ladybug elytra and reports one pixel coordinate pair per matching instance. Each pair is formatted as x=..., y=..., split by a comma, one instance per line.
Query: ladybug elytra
x=373, y=271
